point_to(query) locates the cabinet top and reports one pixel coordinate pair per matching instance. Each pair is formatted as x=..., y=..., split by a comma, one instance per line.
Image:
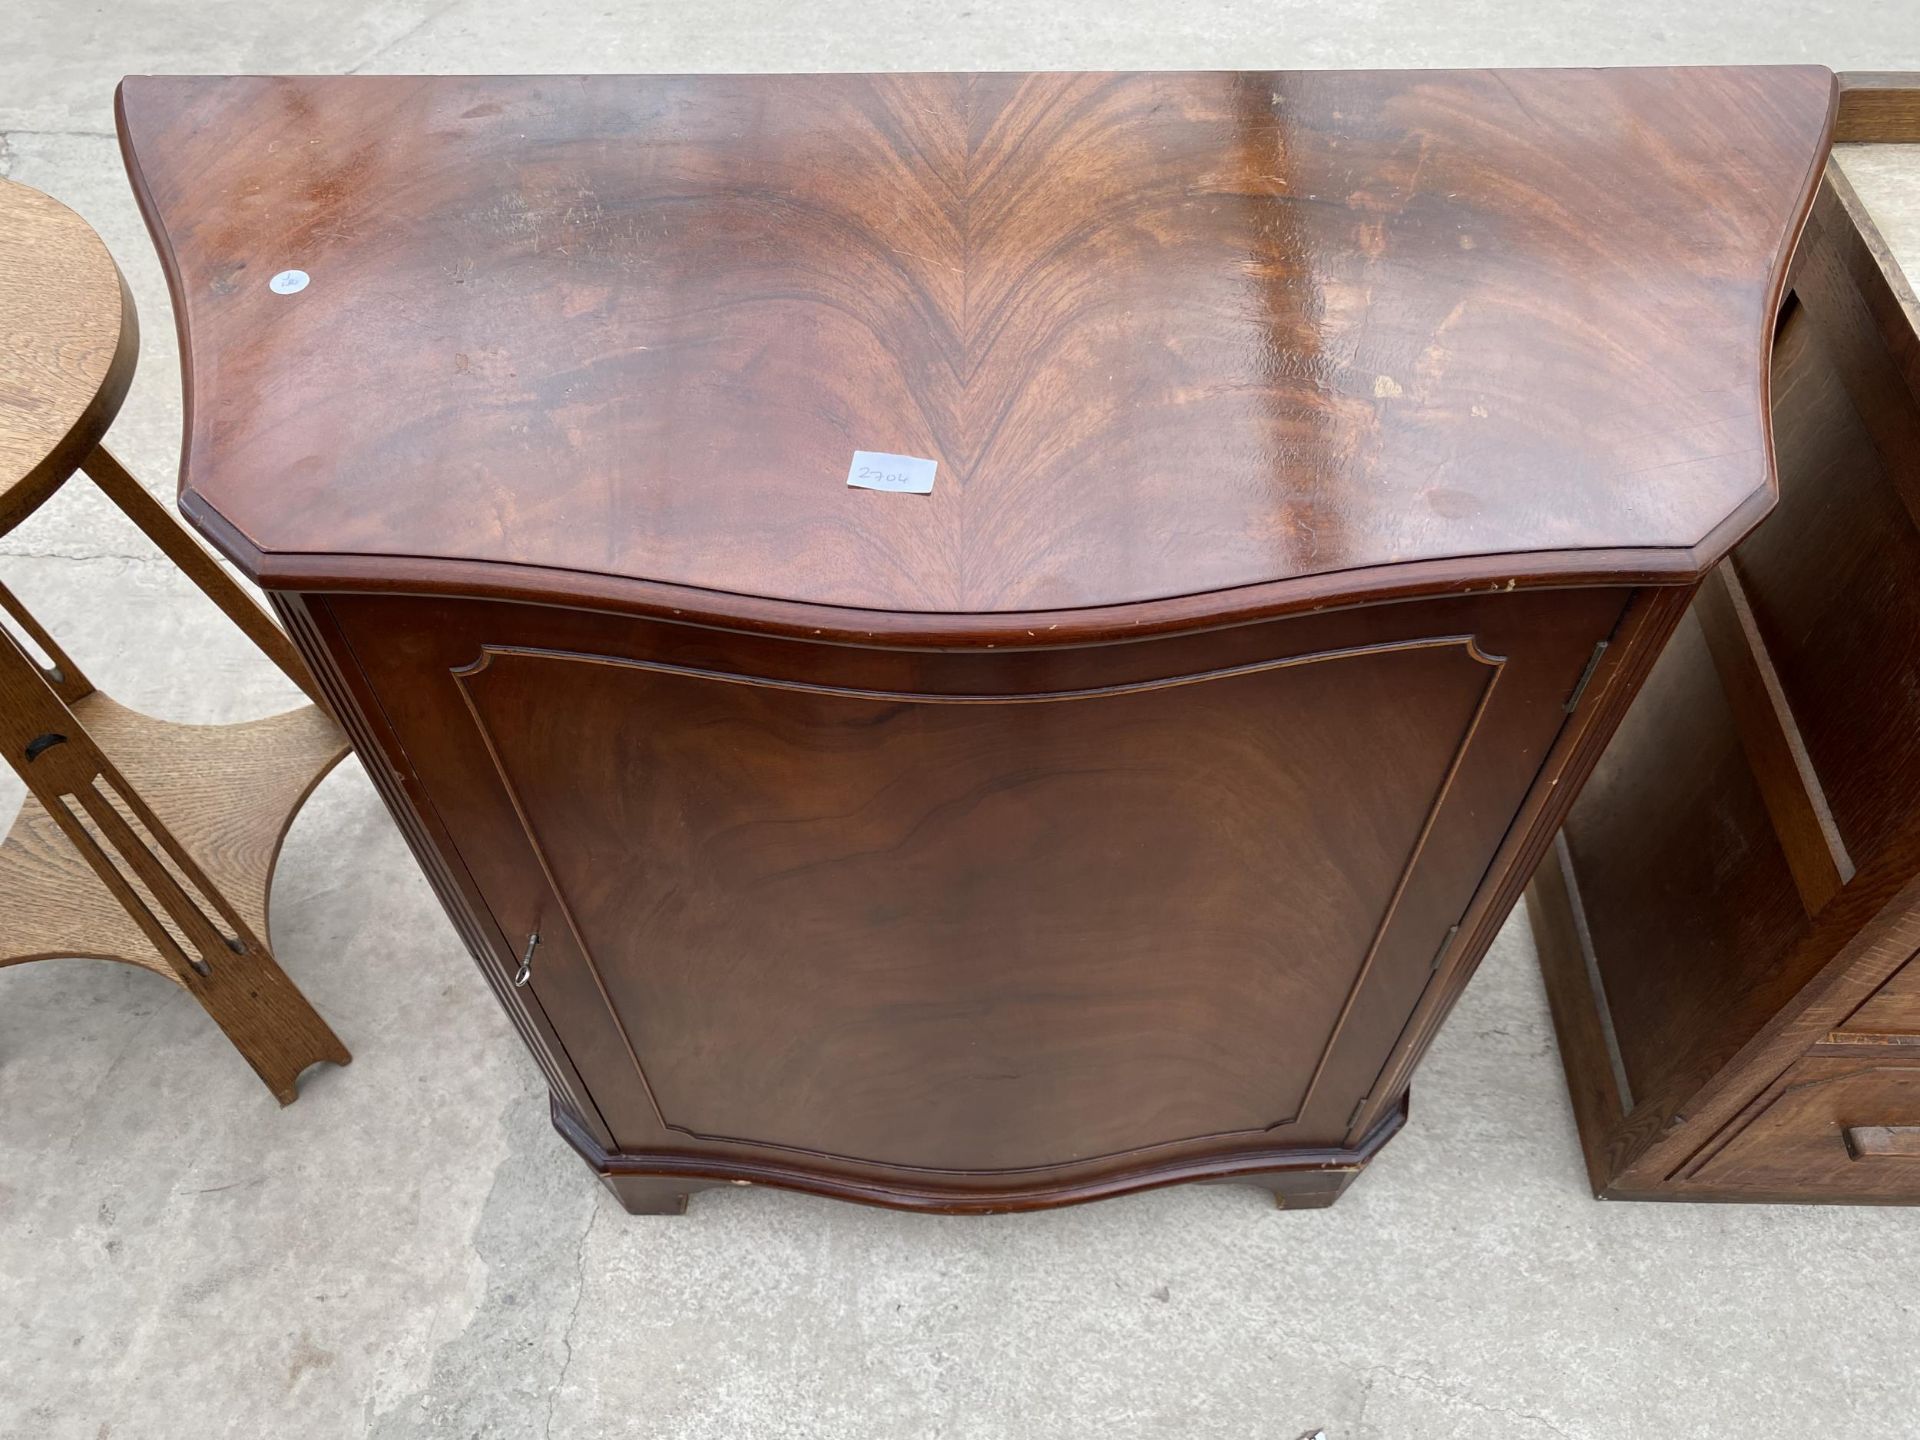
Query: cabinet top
x=1181, y=347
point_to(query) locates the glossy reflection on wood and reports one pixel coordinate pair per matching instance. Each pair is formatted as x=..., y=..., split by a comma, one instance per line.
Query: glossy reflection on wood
x=1163, y=334
x=1093, y=822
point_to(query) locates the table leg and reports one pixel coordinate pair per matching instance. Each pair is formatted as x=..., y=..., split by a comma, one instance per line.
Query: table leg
x=208, y=949
x=198, y=565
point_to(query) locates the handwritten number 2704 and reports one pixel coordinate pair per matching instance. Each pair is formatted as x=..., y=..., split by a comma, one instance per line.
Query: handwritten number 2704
x=883, y=477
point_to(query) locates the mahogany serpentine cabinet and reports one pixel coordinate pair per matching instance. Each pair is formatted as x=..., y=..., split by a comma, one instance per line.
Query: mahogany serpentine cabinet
x=1318, y=463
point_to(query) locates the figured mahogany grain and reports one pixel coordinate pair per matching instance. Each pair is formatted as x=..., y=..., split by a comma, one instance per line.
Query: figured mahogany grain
x=1131, y=808
x=966, y=923
x=1164, y=334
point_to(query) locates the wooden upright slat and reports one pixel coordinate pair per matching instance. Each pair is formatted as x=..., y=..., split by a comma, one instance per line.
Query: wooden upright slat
x=1802, y=820
x=196, y=562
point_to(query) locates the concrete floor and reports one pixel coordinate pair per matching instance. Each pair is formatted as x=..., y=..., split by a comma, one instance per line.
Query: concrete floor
x=410, y=1251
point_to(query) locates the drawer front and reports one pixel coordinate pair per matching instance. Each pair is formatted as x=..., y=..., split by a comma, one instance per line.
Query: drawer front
x=1891, y=1017
x=1836, y=1128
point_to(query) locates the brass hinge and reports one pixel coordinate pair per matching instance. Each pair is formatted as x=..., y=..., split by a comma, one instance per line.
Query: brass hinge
x=1580, y=688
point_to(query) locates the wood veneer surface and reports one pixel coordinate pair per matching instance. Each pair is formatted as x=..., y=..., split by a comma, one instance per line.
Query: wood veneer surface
x=1165, y=335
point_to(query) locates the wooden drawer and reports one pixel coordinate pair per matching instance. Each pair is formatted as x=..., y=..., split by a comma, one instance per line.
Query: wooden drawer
x=1891, y=1017
x=1835, y=1128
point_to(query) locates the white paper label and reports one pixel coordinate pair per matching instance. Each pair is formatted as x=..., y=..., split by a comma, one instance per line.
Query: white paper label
x=903, y=474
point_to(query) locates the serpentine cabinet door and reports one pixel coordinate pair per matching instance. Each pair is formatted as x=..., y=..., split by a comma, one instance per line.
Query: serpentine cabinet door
x=946, y=917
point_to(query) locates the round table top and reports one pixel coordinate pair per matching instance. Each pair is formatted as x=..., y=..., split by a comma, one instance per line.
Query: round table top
x=68, y=342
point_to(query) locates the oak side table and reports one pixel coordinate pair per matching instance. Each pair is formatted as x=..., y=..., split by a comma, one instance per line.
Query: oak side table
x=139, y=840
x=973, y=642
x=1730, y=922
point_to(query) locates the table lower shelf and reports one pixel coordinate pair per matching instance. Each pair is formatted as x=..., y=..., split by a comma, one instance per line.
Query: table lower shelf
x=227, y=795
